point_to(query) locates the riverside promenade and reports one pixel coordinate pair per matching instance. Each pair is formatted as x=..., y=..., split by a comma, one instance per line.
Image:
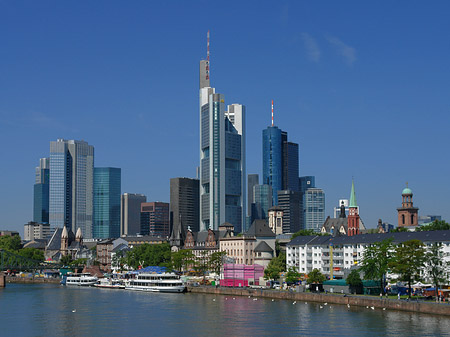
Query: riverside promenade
x=352, y=300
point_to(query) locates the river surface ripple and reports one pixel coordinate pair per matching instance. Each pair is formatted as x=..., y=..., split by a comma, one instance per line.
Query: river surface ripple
x=53, y=310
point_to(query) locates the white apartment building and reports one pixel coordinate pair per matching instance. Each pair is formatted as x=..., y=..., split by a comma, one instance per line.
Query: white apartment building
x=338, y=254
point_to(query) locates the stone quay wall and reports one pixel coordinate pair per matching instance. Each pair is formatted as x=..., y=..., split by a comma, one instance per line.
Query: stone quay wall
x=16, y=279
x=362, y=301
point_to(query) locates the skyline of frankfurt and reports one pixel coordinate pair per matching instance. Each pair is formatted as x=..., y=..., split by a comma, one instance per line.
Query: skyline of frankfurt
x=362, y=88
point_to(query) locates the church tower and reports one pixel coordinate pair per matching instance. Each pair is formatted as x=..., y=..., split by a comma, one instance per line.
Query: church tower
x=64, y=241
x=353, y=216
x=407, y=214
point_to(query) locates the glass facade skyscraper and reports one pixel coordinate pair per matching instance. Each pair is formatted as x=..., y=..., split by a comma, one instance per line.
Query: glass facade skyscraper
x=41, y=206
x=314, y=208
x=273, y=160
x=222, y=158
x=107, y=190
x=280, y=162
x=262, y=196
x=71, y=185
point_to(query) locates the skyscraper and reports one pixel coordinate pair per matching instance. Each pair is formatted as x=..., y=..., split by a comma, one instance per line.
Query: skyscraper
x=130, y=213
x=262, y=196
x=71, y=185
x=314, y=208
x=155, y=219
x=222, y=157
x=41, y=201
x=184, y=204
x=304, y=183
x=289, y=202
x=107, y=186
x=280, y=161
x=252, y=180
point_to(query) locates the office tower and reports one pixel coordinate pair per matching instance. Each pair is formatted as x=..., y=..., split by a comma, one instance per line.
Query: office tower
x=222, y=158
x=289, y=203
x=37, y=231
x=130, y=213
x=155, y=219
x=184, y=204
x=314, y=208
x=280, y=161
x=273, y=160
x=252, y=180
x=304, y=183
x=290, y=167
x=262, y=196
x=107, y=186
x=71, y=185
x=41, y=200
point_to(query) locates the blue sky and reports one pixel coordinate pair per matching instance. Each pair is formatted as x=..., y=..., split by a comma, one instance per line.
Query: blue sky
x=362, y=87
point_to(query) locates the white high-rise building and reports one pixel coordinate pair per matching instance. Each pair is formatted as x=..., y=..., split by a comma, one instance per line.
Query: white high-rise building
x=72, y=185
x=222, y=158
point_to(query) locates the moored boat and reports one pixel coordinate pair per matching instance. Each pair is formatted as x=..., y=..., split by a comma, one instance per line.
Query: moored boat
x=79, y=279
x=109, y=283
x=164, y=282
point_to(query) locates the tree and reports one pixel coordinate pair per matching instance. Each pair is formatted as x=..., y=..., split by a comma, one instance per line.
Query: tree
x=32, y=253
x=216, y=261
x=66, y=260
x=434, y=226
x=292, y=276
x=398, y=230
x=276, y=266
x=408, y=261
x=10, y=243
x=149, y=255
x=315, y=276
x=354, y=280
x=182, y=259
x=307, y=232
x=375, y=262
x=436, y=267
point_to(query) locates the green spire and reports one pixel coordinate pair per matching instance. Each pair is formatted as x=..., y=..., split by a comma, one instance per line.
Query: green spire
x=353, y=196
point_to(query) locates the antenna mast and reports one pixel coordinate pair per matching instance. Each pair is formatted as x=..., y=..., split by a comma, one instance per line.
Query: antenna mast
x=207, y=58
x=272, y=112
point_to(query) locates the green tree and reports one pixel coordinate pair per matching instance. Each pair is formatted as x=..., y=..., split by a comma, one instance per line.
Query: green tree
x=376, y=259
x=436, y=267
x=79, y=262
x=216, y=261
x=306, y=232
x=149, y=255
x=315, y=276
x=182, y=259
x=10, y=243
x=436, y=225
x=398, y=230
x=276, y=266
x=354, y=281
x=408, y=261
x=292, y=276
x=32, y=253
x=66, y=260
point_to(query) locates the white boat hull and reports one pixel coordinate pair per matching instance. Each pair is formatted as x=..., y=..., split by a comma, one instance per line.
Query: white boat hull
x=172, y=289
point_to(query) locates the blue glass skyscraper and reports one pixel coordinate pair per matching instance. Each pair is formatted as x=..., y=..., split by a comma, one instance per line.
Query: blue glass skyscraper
x=273, y=160
x=41, y=206
x=107, y=191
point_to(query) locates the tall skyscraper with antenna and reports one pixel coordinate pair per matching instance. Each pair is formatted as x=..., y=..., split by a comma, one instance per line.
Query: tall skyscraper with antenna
x=280, y=161
x=222, y=157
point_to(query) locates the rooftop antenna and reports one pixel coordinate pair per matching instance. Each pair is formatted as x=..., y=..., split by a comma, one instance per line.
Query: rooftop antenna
x=272, y=112
x=207, y=57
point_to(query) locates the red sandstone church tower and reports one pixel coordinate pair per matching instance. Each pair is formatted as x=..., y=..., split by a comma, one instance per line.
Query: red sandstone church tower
x=353, y=216
x=407, y=214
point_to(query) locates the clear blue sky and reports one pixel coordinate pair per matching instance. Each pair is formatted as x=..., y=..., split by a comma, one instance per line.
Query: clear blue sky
x=363, y=87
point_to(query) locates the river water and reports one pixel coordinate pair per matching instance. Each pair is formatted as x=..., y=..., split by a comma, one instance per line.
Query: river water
x=53, y=310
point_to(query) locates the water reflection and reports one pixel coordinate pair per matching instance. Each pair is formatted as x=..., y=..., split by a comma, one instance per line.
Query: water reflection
x=47, y=310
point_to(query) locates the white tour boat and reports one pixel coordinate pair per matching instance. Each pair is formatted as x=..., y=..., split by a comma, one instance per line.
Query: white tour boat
x=110, y=283
x=79, y=279
x=165, y=282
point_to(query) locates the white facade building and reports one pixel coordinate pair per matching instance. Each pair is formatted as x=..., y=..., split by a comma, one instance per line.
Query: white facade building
x=337, y=255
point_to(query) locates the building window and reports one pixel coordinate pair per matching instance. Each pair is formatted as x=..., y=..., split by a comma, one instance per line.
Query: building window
x=403, y=219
